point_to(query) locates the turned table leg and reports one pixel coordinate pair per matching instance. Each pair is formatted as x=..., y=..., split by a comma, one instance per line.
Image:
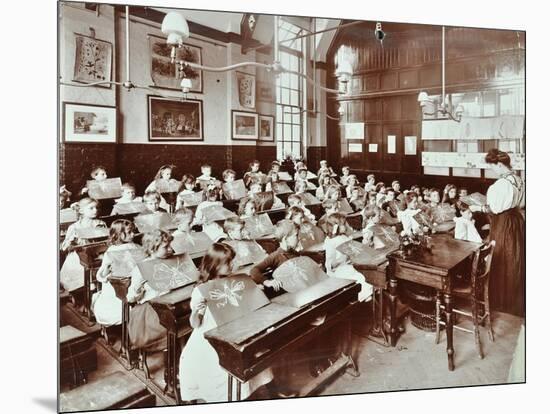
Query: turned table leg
x=449, y=329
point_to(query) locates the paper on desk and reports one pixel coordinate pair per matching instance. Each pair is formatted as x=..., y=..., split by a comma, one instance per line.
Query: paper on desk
x=168, y=274
x=108, y=188
x=299, y=273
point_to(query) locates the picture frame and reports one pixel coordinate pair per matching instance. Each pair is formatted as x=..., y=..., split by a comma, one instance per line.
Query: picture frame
x=167, y=75
x=244, y=125
x=171, y=119
x=246, y=86
x=93, y=60
x=89, y=123
x=265, y=91
x=266, y=128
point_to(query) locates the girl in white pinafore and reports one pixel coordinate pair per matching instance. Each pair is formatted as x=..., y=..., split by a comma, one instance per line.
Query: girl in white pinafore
x=338, y=264
x=200, y=374
x=71, y=274
x=106, y=306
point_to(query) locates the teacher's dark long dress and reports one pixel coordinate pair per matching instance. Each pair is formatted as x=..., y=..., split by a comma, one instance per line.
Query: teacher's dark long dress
x=507, y=284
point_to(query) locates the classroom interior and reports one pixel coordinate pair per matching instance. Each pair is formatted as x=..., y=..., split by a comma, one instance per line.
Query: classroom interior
x=147, y=89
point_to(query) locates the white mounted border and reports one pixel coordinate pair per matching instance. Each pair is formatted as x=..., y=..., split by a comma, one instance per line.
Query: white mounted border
x=466, y=160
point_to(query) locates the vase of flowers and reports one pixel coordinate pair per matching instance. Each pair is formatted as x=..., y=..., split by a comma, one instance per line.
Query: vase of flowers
x=409, y=242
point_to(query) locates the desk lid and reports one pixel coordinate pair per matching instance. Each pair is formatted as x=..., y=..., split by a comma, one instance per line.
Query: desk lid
x=314, y=293
x=192, y=243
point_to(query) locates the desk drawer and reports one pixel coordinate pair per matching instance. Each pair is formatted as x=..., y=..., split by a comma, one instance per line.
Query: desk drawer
x=420, y=275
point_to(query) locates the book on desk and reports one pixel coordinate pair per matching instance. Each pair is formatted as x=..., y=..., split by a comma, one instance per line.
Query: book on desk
x=259, y=226
x=234, y=190
x=192, y=243
x=299, y=273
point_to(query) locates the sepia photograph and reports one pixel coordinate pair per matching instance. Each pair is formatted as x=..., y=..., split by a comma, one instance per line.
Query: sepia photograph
x=260, y=206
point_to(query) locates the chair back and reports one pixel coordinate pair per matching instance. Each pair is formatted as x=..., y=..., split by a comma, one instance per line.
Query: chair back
x=481, y=265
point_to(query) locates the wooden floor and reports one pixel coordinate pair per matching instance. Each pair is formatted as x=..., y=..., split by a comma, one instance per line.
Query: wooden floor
x=415, y=363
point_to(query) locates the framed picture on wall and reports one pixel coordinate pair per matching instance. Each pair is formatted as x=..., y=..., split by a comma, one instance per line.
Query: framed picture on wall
x=244, y=125
x=171, y=119
x=247, y=90
x=168, y=75
x=267, y=125
x=89, y=123
x=93, y=60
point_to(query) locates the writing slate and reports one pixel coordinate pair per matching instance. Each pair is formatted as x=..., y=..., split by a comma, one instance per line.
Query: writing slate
x=67, y=215
x=193, y=199
x=216, y=213
x=167, y=186
x=108, y=188
x=232, y=297
x=386, y=237
x=246, y=252
x=154, y=221
x=361, y=254
x=259, y=226
x=90, y=233
x=280, y=187
x=132, y=207
x=264, y=200
x=171, y=273
x=310, y=176
x=309, y=199
x=124, y=261
x=298, y=273
x=192, y=243
x=475, y=199
x=344, y=206
x=310, y=235
x=203, y=184
x=284, y=176
x=234, y=190
x=310, y=186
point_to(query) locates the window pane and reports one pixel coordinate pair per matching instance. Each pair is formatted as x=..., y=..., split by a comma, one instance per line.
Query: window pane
x=296, y=132
x=279, y=150
x=294, y=98
x=285, y=98
x=288, y=115
x=279, y=113
x=279, y=131
x=287, y=136
x=287, y=148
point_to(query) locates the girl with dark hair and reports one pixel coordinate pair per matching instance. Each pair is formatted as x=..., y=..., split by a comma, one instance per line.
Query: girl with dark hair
x=505, y=198
x=200, y=373
x=106, y=306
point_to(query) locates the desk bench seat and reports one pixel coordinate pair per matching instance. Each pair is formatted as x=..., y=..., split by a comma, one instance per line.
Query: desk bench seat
x=117, y=390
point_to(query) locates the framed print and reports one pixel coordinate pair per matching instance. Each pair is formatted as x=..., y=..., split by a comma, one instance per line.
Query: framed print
x=267, y=124
x=89, y=123
x=93, y=60
x=247, y=90
x=171, y=119
x=168, y=75
x=244, y=125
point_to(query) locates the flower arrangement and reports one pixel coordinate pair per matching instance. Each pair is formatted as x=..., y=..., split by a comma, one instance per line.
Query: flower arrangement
x=415, y=240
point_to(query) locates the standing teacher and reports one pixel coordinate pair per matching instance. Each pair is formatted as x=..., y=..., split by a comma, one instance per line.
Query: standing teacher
x=505, y=198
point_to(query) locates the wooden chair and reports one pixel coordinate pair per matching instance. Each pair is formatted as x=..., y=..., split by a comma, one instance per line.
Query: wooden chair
x=477, y=291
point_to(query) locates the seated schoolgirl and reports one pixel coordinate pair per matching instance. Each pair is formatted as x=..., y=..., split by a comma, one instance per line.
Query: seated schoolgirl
x=247, y=207
x=106, y=306
x=345, y=175
x=152, y=200
x=352, y=183
x=210, y=199
x=324, y=183
x=72, y=272
x=234, y=228
x=465, y=228
x=357, y=199
x=390, y=203
x=256, y=188
x=330, y=206
x=337, y=264
x=200, y=374
x=294, y=200
x=325, y=169
x=99, y=173
x=144, y=328
x=128, y=196
x=205, y=179
x=406, y=217
x=450, y=195
x=252, y=173
x=184, y=217
x=370, y=185
x=187, y=187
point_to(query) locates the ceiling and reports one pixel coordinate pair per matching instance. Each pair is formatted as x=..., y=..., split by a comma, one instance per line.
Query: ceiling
x=230, y=22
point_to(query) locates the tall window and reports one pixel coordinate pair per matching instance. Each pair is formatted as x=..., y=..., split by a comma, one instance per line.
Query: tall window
x=289, y=93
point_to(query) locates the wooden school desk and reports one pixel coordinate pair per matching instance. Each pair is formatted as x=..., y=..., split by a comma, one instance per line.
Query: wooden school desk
x=436, y=268
x=90, y=256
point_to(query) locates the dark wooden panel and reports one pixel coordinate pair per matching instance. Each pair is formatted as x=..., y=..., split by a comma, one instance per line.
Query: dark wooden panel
x=454, y=73
x=408, y=79
x=389, y=81
x=77, y=160
x=373, y=109
x=371, y=83
x=430, y=76
x=391, y=108
x=356, y=84
x=373, y=135
x=392, y=162
x=411, y=163
x=410, y=109
x=354, y=111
